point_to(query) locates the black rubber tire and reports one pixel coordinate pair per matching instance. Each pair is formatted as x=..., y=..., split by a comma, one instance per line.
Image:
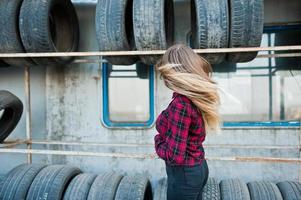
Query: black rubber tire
x=210, y=27
x=263, y=190
x=287, y=38
x=153, y=22
x=49, y=26
x=79, y=187
x=51, y=182
x=160, y=192
x=2, y=177
x=134, y=187
x=16, y=184
x=290, y=190
x=224, y=67
x=10, y=41
x=3, y=64
x=13, y=109
x=246, y=27
x=234, y=189
x=142, y=70
x=114, y=29
x=104, y=187
x=211, y=190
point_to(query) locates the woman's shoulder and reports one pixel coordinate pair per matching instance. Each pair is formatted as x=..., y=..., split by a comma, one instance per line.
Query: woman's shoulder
x=185, y=102
x=181, y=100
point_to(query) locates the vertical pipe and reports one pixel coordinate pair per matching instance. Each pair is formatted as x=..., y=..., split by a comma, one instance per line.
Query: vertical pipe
x=282, y=106
x=28, y=111
x=270, y=83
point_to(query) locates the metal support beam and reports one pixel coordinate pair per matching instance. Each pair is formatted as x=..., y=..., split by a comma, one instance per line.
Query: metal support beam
x=156, y=52
x=146, y=156
x=28, y=110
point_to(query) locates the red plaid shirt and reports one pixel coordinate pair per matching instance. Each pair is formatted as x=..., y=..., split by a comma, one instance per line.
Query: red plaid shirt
x=181, y=133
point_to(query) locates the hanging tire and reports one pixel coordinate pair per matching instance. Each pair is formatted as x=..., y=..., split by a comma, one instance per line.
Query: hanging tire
x=3, y=64
x=224, y=67
x=287, y=38
x=51, y=182
x=10, y=41
x=142, y=70
x=79, y=187
x=290, y=190
x=153, y=26
x=160, y=192
x=262, y=190
x=17, y=182
x=234, y=189
x=114, y=29
x=12, y=111
x=134, y=187
x=210, y=27
x=211, y=190
x=49, y=26
x=104, y=187
x=246, y=28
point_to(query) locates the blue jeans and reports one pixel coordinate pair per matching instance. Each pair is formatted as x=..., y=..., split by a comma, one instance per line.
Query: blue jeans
x=185, y=182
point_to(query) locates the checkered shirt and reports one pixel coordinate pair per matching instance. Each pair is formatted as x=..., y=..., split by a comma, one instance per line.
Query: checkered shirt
x=181, y=133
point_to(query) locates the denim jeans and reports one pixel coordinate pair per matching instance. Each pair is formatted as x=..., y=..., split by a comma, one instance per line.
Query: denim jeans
x=185, y=182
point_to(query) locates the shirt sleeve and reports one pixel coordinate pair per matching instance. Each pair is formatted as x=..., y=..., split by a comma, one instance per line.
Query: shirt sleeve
x=161, y=127
x=177, y=134
x=160, y=146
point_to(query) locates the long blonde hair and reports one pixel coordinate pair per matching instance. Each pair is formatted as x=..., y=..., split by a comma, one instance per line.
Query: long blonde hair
x=187, y=73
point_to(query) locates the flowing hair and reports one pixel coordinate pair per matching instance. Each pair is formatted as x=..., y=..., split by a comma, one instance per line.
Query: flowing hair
x=187, y=73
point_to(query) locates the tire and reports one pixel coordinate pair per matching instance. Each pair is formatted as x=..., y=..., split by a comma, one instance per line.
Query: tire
x=224, y=67
x=49, y=26
x=263, y=190
x=13, y=109
x=210, y=27
x=104, y=187
x=79, y=187
x=290, y=190
x=3, y=64
x=153, y=26
x=51, y=182
x=2, y=177
x=287, y=38
x=211, y=190
x=134, y=187
x=114, y=29
x=16, y=184
x=234, y=189
x=246, y=28
x=10, y=41
x=160, y=192
x=142, y=70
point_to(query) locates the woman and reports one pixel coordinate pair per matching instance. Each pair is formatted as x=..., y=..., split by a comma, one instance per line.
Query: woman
x=183, y=124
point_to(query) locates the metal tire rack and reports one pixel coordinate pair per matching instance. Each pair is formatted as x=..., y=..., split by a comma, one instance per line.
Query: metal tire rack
x=8, y=146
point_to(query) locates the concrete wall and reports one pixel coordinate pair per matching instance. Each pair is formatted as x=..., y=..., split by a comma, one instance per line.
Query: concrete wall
x=67, y=105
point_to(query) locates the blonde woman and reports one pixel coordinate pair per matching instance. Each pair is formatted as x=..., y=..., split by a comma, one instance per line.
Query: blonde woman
x=182, y=126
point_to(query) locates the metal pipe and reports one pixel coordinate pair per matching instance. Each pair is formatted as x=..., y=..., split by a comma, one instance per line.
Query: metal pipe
x=152, y=145
x=146, y=156
x=151, y=52
x=13, y=144
x=270, y=82
x=28, y=110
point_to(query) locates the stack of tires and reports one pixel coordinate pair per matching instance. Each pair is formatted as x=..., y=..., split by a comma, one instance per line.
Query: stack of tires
x=126, y=25
x=38, y=26
x=55, y=182
x=148, y=25
x=235, y=189
x=11, y=109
